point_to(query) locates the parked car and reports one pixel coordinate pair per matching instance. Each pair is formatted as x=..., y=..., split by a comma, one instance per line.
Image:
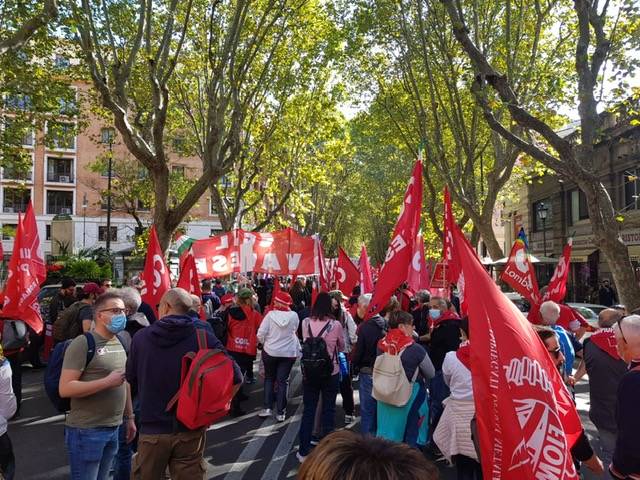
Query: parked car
x=519, y=301
x=46, y=294
x=589, y=311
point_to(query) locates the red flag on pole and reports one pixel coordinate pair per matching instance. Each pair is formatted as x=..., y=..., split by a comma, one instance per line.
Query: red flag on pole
x=418, y=275
x=155, y=274
x=529, y=421
x=557, y=288
x=366, y=277
x=31, y=240
x=347, y=274
x=398, y=258
x=519, y=273
x=321, y=265
x=189, y=279
x=23, y=282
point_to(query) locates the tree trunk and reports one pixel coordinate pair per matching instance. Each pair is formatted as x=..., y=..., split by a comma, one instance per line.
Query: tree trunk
x=489, y=238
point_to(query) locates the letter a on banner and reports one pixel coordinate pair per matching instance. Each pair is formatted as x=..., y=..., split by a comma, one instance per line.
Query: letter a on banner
x=155, y=274
x=529, y=421
x=519, y=273
x=400, y=251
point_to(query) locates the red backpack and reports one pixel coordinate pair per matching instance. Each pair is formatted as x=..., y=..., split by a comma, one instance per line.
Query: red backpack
x=206, y=386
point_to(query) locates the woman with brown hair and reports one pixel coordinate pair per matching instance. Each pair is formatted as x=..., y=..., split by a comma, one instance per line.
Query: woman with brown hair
x=345, y=455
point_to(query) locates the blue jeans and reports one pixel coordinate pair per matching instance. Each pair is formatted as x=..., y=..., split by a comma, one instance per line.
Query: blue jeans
x=310, y=396
x=368, y=405
x=122, y=461
x=438, y=391
x=91, y=451
x=276, y=373
x=413, y=419
x=607, y=446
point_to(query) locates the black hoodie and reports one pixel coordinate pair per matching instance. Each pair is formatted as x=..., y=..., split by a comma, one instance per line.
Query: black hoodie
x=154, y=369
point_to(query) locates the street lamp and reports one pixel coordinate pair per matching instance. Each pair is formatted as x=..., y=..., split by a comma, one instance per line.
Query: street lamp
x=108, y=134
x=84, y=220
x=542, y=214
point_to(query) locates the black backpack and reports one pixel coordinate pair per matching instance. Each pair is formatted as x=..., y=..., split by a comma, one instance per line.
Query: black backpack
x=218, y=323
x=316, y=363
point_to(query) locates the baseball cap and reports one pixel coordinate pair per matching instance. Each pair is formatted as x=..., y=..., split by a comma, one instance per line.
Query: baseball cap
x=91, y=287
x=245, y=293
x=227, y=298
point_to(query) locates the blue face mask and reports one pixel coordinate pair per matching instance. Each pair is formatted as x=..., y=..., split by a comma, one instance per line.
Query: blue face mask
x=117, y=323
x=434, y=313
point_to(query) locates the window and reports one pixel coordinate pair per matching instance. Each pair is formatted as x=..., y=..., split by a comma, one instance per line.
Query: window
x=577, y=206
x=11, y=171
x=18, y=133
x=61, y=62
x=178, y=170
x=59, y=202
x=47, y=232
x=18, y=101
x=67, y=103
x=540, y=209
x=9, y=231
x=60, y=170
x=61, y=136
x=15, y=199
x=107, y=135
x=102, y=233
x=631, y=183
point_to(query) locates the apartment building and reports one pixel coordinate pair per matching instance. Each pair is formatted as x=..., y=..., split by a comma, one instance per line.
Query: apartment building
x=60, y=181
x=551, y=209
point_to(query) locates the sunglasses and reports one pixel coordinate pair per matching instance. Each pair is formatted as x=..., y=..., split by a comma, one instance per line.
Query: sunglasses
x=619, y=322
x=555, y=352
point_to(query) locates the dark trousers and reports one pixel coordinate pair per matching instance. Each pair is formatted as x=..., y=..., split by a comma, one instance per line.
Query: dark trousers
x=15, y=360
x=7, y=459
x=32, y=352
x=276, y=380
x=311, y=392
x=122, y=461
x=245, y=362
x=412, y=431
x=468, y=468
x=438, y=391
x=346, y=392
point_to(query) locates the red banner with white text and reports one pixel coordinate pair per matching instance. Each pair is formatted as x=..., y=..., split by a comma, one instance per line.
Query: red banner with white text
x=519, y=273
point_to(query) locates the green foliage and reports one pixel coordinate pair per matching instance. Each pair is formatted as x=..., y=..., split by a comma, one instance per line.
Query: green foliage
x=82, y=269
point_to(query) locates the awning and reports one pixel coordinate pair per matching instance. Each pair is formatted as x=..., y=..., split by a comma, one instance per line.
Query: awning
x=532, y=259
x=581, y=256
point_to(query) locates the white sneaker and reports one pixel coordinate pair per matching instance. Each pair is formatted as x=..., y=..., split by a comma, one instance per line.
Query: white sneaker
x=300, y=458
x=349, y=419
x=265, y=413
x=280, y=418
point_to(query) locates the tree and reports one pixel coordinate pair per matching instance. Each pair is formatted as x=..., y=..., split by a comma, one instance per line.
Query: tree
x=597, y=38
x=132, y=189
x=20, y=22
x=209, y=73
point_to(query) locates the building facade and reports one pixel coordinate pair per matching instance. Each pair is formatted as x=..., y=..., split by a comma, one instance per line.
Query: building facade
x=551, y=209
x=61, y=182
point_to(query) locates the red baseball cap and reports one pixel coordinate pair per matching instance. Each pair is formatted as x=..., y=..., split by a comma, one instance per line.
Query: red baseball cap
x=91, y=287
x=227, y=298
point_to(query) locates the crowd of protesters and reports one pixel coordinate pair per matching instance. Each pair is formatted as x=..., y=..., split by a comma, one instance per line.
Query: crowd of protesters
x=410, y=363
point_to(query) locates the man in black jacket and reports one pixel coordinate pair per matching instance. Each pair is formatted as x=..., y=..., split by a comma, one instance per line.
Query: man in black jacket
x=421, y=316
x=364, y=356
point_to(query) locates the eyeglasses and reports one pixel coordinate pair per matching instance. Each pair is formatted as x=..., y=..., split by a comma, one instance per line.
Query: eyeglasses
x=115, y=310
x=555, y=352
x=620, y=328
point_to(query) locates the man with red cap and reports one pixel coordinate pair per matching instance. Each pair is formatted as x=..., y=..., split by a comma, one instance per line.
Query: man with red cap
x=280, y=347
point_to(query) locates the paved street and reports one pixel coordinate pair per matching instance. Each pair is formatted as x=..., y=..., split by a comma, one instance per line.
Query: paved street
x=242, y=448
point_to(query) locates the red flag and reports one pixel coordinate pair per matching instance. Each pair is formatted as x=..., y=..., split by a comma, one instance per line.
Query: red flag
x=23, y=282
x=366, y=276
x=452, y=269
x=529, y=421
x=155, y=274
x=418, y=275
x=557, y=287
x=519, y=273
x=31, y=240
x=189, y=279
x=321, y=265
x=347, y=274
x=398, y=258
x=276, y=289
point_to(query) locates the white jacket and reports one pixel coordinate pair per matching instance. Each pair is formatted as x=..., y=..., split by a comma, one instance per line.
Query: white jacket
x=7, y=398
x=277, y=333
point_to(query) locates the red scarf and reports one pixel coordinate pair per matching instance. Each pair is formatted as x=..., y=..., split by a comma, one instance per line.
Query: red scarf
x=444, y=316
x=394, y=341
x=464, y=354
x=606, y=341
